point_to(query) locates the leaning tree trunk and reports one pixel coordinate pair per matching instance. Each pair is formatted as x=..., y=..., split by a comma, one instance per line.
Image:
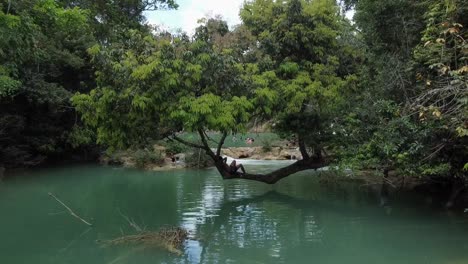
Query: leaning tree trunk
x=384, y=190
x=274, y=176
x=457, y=188
x=307, y=163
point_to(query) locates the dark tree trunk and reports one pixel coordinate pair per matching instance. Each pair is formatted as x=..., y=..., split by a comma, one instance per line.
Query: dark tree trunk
x=384, y=191
x=220, y=144
x=457, y=187
x=303, y=149
x=307, y=163
x=318, y=153
x=274, y=176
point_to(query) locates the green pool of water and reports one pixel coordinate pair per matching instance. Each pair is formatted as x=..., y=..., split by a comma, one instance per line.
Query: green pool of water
x=296, y=221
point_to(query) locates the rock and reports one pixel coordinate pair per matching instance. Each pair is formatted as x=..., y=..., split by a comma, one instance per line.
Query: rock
x=120, y=160
x=180, y=157
x=265, y=157
x=166, y=166
x=113, y=162
x=240, y=153
x=128, y=162
x=276, y=153
x=289, y=154
x=160, y=149
x=258, y=153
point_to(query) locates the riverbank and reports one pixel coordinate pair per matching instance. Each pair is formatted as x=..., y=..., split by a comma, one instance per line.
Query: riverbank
x=160, y=158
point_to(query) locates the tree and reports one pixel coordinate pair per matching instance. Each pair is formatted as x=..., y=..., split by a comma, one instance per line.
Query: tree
x=411, y=113
x=302, y=41
x=43, y=50
x=43, y=54
x=442, y=99
x=155, y=86
x=151, y=84
x=441, y=64
x=109, y=18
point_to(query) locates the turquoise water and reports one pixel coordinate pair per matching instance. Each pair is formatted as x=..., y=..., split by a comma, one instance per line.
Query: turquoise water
x=298, y=220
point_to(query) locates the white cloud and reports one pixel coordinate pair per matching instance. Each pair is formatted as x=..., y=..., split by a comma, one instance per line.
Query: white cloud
x=190, y=11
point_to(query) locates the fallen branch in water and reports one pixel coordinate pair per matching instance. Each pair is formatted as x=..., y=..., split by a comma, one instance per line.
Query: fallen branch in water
x=70, y=210
x=73, y=241
x=132, y=223
x=126, y=255
x=170, y=239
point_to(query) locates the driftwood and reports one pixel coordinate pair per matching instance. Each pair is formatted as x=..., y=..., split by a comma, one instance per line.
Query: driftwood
x=170, y=239
x=70, y=210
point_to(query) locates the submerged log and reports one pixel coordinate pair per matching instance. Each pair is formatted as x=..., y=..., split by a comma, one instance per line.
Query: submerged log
x=171, y=239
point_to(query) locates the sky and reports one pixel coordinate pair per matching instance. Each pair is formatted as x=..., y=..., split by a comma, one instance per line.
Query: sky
x=189, y=11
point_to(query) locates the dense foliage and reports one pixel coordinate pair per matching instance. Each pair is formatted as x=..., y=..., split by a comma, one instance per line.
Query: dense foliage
x=414, y=88
x=300, y=39
x=386, y=92
x=44, y=61
x=43, y=54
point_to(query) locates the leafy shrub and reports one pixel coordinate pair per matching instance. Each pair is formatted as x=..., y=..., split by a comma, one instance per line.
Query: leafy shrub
x=144, y=157
x=174, y=147
x=198, y=158
x=80, y=136
x=267, y=145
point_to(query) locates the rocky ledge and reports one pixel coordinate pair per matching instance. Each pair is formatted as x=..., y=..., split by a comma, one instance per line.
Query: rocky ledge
x=178, y=161
x=259, y=153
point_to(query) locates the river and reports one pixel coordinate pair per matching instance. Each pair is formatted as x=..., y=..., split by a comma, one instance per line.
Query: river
x=298, y=220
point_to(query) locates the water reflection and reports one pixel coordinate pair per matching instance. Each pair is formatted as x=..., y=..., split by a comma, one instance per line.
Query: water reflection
x=260, y=224
x=275, y=227
x=295, y=221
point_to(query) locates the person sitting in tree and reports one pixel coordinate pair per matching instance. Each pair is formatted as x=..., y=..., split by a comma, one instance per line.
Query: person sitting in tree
x=233, y=167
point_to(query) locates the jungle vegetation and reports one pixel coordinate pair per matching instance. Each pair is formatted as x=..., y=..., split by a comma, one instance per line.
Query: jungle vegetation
x=386, y=91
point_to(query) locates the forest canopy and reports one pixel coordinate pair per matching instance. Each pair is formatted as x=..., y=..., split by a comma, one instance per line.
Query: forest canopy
x=386, y=91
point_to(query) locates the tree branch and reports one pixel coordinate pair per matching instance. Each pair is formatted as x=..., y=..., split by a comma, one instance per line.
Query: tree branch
x=302, y=148
x=221, y=143
x=306, y=163
x=70, y=210
x=205, y=143
x=209, y=138
x=274, y=176
x=190, y=144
